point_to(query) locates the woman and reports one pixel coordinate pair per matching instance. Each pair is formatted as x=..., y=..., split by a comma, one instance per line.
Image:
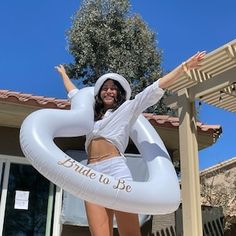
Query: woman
x=105, y=145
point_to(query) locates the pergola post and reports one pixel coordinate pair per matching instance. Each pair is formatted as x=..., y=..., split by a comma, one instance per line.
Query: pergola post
x=213, y=83
x=190, y=183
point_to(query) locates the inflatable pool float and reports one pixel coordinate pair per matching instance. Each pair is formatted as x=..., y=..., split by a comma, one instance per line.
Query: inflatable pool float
x=160, y=194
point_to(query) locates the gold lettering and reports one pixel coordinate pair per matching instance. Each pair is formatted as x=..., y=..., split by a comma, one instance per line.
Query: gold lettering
x=77, y=167
x=88, y=173
x=128, y=188
x=104, y=180
x=85, y=171
x=92, y=175
x=66, y=163
x=70, y=163
x=121, y=185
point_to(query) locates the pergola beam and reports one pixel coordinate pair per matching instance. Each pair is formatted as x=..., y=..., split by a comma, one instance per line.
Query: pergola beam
x=217, y=73
x=212, y=85
x=218, y=83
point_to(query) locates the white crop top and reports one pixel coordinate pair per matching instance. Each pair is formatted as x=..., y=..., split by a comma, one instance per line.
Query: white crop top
x=115, y=125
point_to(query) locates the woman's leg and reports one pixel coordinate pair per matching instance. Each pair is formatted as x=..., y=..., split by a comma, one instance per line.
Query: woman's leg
x=100, y=219
x=128, y=224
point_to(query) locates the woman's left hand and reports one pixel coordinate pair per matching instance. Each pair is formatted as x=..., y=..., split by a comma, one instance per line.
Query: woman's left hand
x=194, y=61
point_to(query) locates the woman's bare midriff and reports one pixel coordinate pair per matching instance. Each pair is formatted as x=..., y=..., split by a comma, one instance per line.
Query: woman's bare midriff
x=100, y=149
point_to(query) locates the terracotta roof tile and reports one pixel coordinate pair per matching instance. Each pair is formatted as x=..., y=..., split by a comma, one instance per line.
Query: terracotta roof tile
x=32, y=100
x=162, y=119
x=173, y=122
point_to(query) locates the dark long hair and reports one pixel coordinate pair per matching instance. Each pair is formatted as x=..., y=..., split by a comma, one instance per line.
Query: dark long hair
x=99, y=109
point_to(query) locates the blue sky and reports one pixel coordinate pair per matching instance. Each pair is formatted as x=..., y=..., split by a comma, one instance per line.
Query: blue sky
x=33, y=41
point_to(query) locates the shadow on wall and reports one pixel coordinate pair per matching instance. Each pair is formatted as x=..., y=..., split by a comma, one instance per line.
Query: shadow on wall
x=231, y=230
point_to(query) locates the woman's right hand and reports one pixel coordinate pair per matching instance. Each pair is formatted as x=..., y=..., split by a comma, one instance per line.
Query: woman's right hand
x=60, y=69
x=67, y=82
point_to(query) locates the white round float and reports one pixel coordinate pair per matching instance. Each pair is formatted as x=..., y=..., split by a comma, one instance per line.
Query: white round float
x=160, y=194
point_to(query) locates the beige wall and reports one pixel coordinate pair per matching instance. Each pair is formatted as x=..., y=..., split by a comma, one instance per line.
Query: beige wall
x=10, y=145
x=9, y=141
x=218, y=187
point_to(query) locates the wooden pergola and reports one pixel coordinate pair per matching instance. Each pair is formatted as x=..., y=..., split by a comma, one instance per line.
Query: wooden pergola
x=213, y=83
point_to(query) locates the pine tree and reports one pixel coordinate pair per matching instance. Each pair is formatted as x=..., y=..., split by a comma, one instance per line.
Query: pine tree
x=105, y=37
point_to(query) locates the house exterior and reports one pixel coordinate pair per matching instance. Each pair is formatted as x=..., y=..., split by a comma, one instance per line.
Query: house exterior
x=32, y=204
x=218, y=188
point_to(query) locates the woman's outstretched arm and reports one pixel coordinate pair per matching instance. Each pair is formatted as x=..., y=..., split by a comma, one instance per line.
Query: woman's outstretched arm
x=192, y=63
x=66, y=80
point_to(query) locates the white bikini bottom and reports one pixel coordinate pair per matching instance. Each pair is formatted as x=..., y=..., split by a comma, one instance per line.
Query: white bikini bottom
x=115, y=166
